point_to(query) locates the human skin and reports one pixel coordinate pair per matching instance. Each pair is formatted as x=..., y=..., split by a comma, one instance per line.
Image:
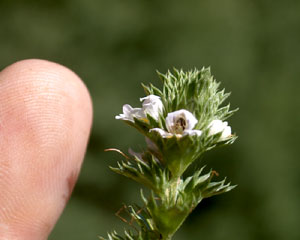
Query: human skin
x=45, y=122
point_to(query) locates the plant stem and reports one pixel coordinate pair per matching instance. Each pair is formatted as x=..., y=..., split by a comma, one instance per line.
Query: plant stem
x=174, y=190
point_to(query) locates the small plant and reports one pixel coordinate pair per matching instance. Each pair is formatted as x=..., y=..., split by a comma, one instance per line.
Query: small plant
x=180, y=123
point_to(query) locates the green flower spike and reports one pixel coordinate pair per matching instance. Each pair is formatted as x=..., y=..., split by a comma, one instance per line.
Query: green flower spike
x=180, y=123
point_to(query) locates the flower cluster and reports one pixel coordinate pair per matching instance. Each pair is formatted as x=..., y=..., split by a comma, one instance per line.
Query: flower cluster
x=178, y=123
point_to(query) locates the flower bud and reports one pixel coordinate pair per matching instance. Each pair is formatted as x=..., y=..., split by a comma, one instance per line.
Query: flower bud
x=152, y=105
x=217, y=126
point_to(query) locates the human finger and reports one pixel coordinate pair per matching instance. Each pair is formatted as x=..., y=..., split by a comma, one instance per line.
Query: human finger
x=45, y=120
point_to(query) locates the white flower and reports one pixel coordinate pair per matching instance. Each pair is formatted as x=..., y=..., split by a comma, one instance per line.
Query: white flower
x=217, y=126
x=152, y=105
x=179, y=123
x=129, y=113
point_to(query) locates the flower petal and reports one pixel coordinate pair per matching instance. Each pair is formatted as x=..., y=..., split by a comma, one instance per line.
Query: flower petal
x=217, y=126
x=129, y=113
x=183, y=117
x=152, y=105
x=193, y=132
x=226, y=133
x=150, y=98
x=162, y=132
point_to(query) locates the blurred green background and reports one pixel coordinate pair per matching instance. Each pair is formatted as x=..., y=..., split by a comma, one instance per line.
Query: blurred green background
x=253, y=47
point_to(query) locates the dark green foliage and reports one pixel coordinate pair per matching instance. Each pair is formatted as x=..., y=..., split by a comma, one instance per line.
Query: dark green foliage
x=147, y=171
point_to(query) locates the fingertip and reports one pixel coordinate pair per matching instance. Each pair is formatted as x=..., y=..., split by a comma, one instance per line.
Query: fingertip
x=45, y=121
x=42, y=71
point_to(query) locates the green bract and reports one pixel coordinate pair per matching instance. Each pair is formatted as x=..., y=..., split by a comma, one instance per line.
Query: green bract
x=180, y=123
